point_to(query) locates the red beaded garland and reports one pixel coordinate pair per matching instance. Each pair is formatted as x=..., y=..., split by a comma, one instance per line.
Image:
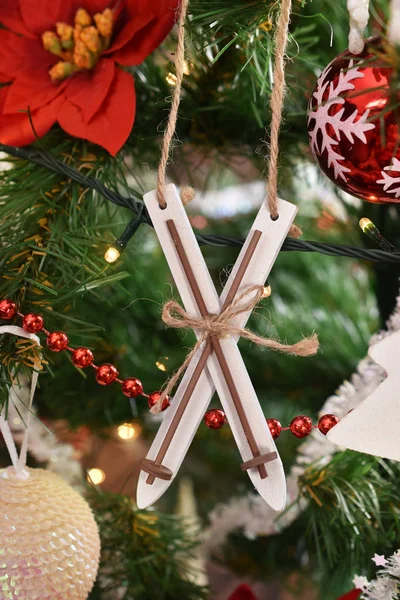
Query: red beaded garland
x=326, y=423
x=132, y=387
x=353, y=144
x=57, y=341
x=275, y=428
x=106, y=374
x=214, y=418
x=32, y=323
x=153, y=399
x=301, y=426
x=7, y=309
x=82, y=357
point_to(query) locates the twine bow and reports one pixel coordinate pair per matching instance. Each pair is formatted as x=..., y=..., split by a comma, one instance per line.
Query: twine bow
x=222, y=325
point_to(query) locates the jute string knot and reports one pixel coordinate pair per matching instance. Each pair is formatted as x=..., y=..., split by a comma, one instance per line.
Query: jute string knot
x=222, y=325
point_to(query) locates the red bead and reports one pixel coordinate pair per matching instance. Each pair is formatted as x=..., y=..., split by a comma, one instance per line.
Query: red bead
x=301, y=426
x=275, y=428
x=8, y=309
x=355, y=148
x=32, y=323
x=82, y=357
x=153, y=399
x=326, y=423
x=57, y=341
x=106, y=374
x=132, y=387
x=214, y=418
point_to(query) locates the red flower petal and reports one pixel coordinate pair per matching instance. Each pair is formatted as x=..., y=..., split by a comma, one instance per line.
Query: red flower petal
x=145, y=29
x=144, y=42
x=18, y=53
x=42, y=15
x=88, y=90
x=158, y=7
x=133, y=26
x=112, y=124
x=96, y=6
x=10, y=17
x=31, y=89
x=16, y=130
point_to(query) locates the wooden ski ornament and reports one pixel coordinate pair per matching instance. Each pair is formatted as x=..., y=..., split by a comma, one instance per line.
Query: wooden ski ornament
x=218, y=362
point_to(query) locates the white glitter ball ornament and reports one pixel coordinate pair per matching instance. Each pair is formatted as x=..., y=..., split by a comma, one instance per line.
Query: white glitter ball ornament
x=49, y=541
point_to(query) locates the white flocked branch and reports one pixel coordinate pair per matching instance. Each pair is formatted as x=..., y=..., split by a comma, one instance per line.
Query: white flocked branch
x=394, y=23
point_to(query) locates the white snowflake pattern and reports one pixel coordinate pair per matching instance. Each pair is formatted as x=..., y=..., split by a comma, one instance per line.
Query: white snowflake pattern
x=388, y=180
x=352, y=126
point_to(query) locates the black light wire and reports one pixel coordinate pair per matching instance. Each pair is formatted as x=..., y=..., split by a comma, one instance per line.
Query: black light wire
x=137, y=206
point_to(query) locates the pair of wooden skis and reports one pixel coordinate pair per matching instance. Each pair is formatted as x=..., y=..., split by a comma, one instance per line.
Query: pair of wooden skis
x=218, y=363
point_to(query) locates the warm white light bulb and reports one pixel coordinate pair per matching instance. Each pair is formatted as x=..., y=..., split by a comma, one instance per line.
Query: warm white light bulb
x=364, y=223
x=96, y=476
x=112, y=254
x=267, y=291
x=126, y=431
x=171, y=78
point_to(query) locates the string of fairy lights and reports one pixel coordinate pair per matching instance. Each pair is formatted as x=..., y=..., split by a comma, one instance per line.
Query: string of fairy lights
x=384, y=254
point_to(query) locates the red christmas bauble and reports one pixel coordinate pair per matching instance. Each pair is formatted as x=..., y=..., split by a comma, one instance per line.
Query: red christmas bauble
x=153, y=399
x=326, y=423
x=82, y=357
x=132, y=387
x=57, y=341
x=275, y=428
x=32, y=322
x=301, y=426
x=106, y=374
x=8, y=308
x=214, y=418
x=353, y=595
x=354, y=134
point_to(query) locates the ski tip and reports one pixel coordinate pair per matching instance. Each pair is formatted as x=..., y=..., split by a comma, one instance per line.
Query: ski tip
x=272, y=489
x=147, y=494
x=278, y=504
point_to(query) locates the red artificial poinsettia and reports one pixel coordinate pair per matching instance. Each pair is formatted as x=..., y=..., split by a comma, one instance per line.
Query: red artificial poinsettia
x=62, y=60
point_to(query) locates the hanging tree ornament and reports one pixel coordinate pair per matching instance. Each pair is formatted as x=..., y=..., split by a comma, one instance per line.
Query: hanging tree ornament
x=217, y=362
x=50, y=545
x=353, y=126
x=373, y=426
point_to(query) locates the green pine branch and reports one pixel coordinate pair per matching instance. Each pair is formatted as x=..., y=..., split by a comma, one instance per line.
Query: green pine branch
x=145, y=555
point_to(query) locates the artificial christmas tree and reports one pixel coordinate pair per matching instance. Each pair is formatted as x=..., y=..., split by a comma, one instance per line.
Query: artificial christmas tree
x=85, y=100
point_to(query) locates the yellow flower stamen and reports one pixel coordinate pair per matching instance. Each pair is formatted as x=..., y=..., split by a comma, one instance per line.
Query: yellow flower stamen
x=80, y=46
x=51, y=43
x=82, y=56
x=83, y=18
x=61, y=70
x=66, y=34
x=104, y=22
x=91, y=38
